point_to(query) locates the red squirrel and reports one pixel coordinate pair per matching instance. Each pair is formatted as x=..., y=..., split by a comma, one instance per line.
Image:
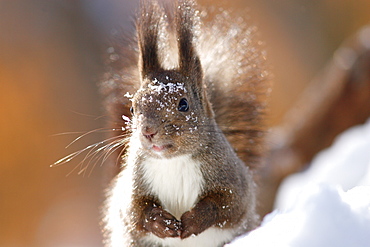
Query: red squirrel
x=195, y=131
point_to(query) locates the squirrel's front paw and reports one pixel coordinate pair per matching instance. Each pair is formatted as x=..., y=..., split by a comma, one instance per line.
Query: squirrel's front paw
x=161, y=223
x=201, y=217
x=192, y=224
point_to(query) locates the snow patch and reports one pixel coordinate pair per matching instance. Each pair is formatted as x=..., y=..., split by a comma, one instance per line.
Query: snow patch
x=326, y=205
x=169, y=87
x=323, y=216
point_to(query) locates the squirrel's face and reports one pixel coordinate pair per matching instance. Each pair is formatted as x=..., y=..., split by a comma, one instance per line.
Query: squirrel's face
x=168, y=116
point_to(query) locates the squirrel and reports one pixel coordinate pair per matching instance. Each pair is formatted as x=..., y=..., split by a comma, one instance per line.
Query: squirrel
x=195, y=93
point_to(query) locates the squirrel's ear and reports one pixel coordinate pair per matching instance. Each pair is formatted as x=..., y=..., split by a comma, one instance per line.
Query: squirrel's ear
x=147, y=26
x=189, y=61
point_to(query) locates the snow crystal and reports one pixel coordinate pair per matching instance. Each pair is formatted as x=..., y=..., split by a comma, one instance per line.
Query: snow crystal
x=128, y=95
x=125, y=118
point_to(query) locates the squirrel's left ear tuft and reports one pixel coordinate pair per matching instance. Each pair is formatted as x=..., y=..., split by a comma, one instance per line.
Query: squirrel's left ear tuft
x=189, y=61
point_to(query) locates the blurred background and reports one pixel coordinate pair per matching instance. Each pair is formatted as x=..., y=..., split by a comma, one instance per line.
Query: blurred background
x=50, y=64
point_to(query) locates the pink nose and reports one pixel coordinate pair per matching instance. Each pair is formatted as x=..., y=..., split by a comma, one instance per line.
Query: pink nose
x=148, y=132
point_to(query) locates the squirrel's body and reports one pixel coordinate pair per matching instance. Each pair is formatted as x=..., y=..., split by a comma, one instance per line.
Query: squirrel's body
x=182, y=183
x=178, y=183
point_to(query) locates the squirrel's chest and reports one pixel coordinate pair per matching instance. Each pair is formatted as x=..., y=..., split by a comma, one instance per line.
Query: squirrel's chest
x=177, y=182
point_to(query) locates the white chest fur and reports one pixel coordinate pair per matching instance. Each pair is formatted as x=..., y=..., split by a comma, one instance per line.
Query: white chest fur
x=177, y=182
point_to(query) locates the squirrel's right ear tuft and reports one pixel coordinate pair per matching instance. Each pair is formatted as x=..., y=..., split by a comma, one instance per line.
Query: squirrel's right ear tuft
x=148, y=25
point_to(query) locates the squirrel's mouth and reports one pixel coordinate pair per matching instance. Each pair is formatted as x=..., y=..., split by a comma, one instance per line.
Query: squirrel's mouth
x=157, y=147
x=160, y=148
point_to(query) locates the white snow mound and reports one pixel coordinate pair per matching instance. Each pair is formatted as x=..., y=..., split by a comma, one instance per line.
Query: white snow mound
x=326, y=205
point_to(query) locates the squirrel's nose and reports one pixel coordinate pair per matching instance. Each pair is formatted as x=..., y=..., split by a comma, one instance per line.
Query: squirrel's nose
x=148, y=132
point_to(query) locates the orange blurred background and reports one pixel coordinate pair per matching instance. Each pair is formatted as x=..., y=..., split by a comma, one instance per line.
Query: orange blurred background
x=50, y=64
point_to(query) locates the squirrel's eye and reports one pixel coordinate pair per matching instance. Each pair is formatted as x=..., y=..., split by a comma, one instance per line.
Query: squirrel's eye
x=131, y=110
x=183, y=105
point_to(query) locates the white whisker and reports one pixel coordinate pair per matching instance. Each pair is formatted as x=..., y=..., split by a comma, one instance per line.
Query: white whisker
x=92, y=147
x=92, y=131
x=96, y=152
x=107, y=152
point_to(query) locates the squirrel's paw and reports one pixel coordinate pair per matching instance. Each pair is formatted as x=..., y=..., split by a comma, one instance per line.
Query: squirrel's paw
x=192, y=224
x=161, y=223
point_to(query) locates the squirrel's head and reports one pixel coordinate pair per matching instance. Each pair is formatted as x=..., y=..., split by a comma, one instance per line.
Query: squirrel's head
x=170, y=110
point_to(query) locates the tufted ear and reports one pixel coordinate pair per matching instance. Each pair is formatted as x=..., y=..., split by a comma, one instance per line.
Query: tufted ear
x=147, y=26
x=189, y=61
